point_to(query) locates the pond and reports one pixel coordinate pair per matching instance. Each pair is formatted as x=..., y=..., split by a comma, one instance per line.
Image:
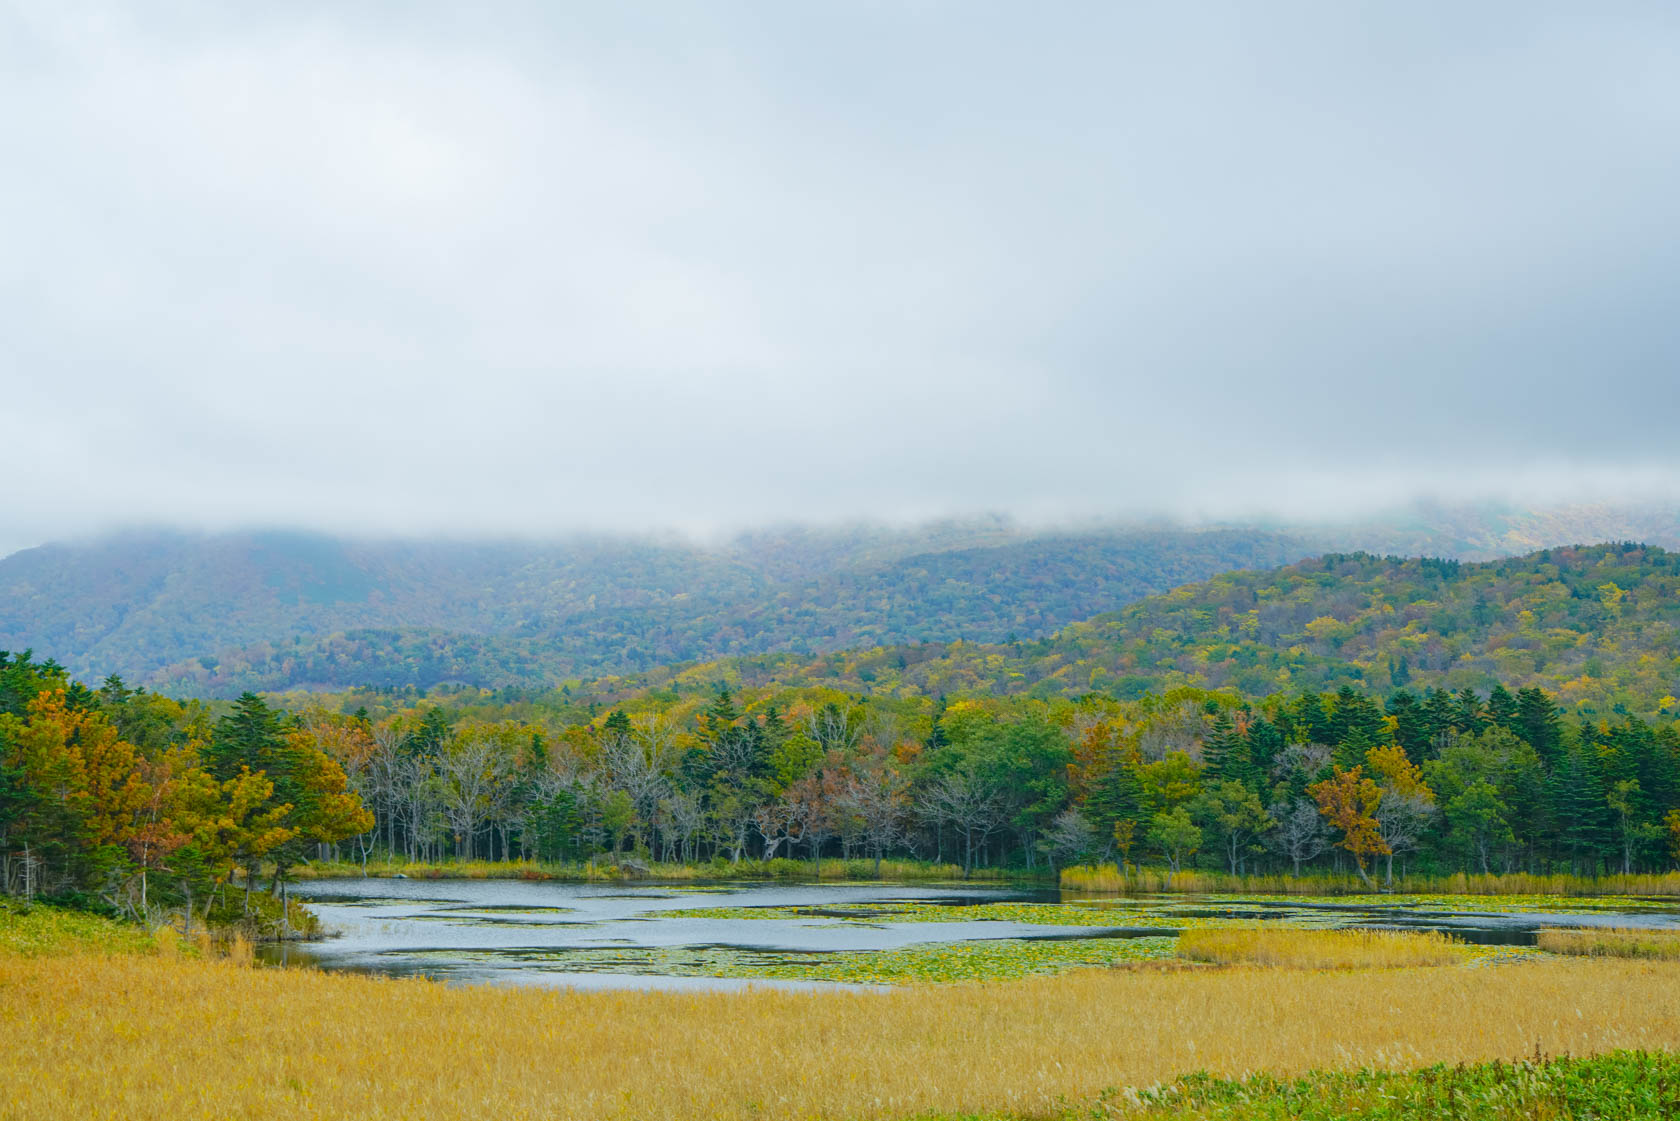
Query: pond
x=728, y=935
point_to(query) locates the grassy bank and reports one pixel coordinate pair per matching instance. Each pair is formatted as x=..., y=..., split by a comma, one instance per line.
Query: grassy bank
x=1107, y=880
x=609, y=872
x=39, y=930
x=1626, y=1085
x=162, y=1037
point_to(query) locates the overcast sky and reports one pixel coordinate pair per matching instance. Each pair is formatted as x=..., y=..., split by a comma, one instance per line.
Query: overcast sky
x=497, y=267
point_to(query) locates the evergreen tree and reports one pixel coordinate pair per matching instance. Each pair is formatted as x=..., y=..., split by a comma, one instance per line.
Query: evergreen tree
x=1469, y=714
x=1265, y=743
x=1579, y=806
x=1539, y=724
x=248, y=737
x=1411, y=723
x=1439, y=717
x=1502, y=708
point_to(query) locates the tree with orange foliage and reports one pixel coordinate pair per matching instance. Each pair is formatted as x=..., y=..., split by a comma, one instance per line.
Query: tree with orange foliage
x=1348, y=800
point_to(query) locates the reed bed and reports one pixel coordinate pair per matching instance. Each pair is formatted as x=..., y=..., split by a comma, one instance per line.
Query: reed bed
x=146, y=1037
x=1662, y=945
x=608, y=872
x=1108, y=880
x=1320, y=949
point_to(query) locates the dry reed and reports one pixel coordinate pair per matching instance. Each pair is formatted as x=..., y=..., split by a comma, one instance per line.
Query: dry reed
x=1613, y=943
x=1319, y=949
x=145, y=1037
x=1108, y=880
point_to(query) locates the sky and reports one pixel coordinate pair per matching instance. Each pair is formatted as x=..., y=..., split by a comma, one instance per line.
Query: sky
x=522, y=268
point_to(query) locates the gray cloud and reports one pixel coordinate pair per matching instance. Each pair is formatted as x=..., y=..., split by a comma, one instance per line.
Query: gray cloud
x=524, y=268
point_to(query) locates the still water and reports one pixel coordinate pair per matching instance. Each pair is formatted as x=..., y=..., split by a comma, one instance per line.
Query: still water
x=648, y=936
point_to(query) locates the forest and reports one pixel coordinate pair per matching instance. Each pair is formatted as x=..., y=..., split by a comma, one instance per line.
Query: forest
x=135, y=800
x=1597, y=626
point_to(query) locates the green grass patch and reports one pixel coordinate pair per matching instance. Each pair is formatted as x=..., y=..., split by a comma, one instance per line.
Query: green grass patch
x=39, y=931
x=1621, y=1085
x=1629, y=1086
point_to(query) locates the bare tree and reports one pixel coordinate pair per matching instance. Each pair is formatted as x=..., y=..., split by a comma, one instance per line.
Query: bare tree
x=729, y=820
x=1069, y=837
x=833, y=729
x=473, y=768
x=968, y=801
x=1301, y=833
x=683, y=819
x=1401, y=821
x=1308, y=760
x=809, y=816
x=775, y=821
x=636, y=763
x=875, y=795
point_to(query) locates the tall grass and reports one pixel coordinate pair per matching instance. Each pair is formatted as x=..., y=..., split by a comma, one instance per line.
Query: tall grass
x=609, y=872
x=1107, y=880
x=153, y=1037
x=1618, y=943
x=1626, y=1085
x=1319, y=949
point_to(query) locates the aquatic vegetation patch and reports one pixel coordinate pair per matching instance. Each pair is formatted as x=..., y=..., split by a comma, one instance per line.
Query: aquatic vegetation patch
x=1126, y=915
x=938, y=963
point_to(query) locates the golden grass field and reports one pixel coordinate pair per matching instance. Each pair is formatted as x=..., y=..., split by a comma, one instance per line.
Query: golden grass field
x=1617, y=943
x=1107, y=880
x=1319, y=949
x=158, y=1036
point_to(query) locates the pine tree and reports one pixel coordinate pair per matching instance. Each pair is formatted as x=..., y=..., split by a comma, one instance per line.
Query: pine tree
x=1265, y=743
x=1225, y=753
x=1411, y=723
x=1502, y=708
x=1470, y=716
x=1438, y=715
x=1578, y=800
x=247, y=737
x=1539, y=724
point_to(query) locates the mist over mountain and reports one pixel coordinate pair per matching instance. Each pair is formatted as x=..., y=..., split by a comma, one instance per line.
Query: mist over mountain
x=212, y=614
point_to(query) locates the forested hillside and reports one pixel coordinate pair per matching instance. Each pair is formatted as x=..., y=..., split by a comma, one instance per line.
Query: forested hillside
x=214, y=616
x=1598, y=626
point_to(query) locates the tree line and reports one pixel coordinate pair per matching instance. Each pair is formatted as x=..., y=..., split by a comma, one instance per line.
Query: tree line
x=138, y=800
x=1434, y=781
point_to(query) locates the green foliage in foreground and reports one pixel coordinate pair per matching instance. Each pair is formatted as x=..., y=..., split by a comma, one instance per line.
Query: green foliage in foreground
x=38, y=931
x=1624, y=1085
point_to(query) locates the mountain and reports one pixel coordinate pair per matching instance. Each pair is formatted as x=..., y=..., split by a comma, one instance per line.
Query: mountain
x=1597, y=626
x=212, y=615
